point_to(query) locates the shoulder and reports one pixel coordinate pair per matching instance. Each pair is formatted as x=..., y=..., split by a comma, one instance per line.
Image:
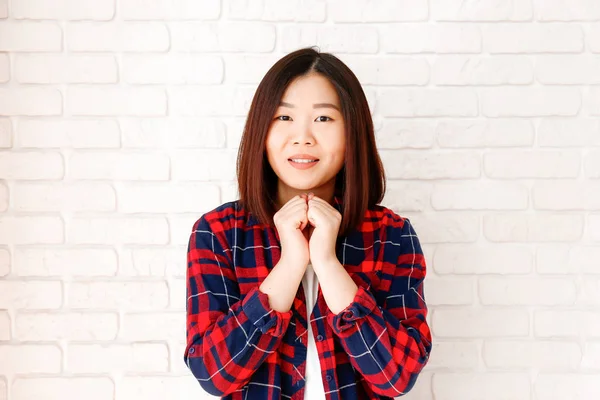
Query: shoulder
x=382, y=218
x=223, y=218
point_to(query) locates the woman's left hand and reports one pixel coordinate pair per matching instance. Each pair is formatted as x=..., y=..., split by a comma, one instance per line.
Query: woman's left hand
x=326, y=221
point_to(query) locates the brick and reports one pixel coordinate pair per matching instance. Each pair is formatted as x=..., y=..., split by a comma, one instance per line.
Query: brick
x=453, y=354
x=180, y=228
x=380, y=11
x=118, y=295
x=593, y=232
x=30, y=359
x=30, y=101
x=533, y=228
x=211, y=101
x=593, y=38
x=591, y=356
x=448, y=102
x=150, y=388
x=117, y=37
x=542, y=355
x=5, y=133
x=567, y=259
x=41, y=295
x=593, y=97
x=431, y=38
x=152, y=326
x=63, y=9
x=331, y=38
x=4, y=329
x=449, y=291
x=65, y=133
x=162, y=262
x=4, y=68
x=170, y=10
x=563, y=132
x=172, y=133
x=58, y=388
x=568, y=70
x=172, y=69
x=4, y=197
x=109, y=101
x=407, y=196
x=592, y=164
x=152, y=198
x=532, y=164
x=177, y=290
x=56, y=197
x=448, y=228
x=481, y=385
x=70, y=326
x=65, y=68
x=247, y=68
x=277, y=11
x=5, y=265
x=563, y=10
x=567, y=323
x=122, y=165
x=118, y=230
x=203, y=165
x=527, y=291
x=486, y=10
x=31, y=230
x=118, y=358
x=489, y=133
x=430, y=165
x=574, y=385
x=30, y=36
x=532, y=38
x=589, y=294
x=479, y=70
x=489, y=259
x=57, y=262
x=530, y=102
x=475, y=323
x=222, y=37
x=405, y=134
x=480, y=196
x=3, y=14
x=567, y=195
x=388, y=70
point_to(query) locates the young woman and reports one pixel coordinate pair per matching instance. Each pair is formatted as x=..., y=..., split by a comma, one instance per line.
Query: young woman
x=305, y=287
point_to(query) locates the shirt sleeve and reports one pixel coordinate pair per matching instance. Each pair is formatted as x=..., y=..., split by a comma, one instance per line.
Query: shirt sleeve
x=228, y=338
x=389, y=344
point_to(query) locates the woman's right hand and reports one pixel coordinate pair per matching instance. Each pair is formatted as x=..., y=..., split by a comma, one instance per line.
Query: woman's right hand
x=291, y=222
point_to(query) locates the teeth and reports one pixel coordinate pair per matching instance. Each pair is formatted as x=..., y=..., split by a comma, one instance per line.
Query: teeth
x=303, y=161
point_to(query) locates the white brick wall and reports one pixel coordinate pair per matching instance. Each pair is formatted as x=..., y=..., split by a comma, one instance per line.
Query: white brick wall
x=119, y=126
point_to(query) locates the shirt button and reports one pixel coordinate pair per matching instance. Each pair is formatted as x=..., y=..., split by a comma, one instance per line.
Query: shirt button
x=192, y=350
x=319, y=338
x=328, y=377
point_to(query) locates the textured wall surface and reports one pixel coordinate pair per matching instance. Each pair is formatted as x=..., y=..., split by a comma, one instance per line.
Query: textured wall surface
x=119, y=126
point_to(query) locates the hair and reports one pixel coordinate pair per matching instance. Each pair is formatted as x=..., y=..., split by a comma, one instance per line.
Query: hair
x=257, y=182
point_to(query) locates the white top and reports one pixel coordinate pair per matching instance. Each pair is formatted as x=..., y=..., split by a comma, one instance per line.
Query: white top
x=314, y=389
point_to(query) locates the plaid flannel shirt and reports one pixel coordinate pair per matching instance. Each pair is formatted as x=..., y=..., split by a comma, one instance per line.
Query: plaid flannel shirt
x=240, y=348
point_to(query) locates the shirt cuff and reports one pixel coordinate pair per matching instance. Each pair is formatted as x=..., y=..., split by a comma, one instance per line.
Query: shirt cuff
x=363, y=303
x=259, y=312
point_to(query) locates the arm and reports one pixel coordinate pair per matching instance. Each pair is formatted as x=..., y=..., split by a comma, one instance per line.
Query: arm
x=227, y=338
x=389, y=344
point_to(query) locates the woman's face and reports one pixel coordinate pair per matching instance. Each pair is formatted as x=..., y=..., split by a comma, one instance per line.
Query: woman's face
x=307, y=125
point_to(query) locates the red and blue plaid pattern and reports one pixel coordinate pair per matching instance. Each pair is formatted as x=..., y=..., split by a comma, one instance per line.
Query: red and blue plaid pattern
x=240, y=348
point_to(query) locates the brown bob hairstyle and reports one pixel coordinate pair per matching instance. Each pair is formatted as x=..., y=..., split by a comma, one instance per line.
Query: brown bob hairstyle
x=257, y=182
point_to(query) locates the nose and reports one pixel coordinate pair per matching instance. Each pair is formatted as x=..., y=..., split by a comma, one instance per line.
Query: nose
x=303, y=135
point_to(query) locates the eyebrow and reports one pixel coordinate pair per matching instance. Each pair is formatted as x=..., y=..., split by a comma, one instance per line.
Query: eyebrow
x=316, y=105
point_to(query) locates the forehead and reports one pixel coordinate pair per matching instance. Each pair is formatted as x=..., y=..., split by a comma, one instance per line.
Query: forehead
x=310, y=89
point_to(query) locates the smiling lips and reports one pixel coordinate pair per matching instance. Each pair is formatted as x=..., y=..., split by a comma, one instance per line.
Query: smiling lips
x=303, y=161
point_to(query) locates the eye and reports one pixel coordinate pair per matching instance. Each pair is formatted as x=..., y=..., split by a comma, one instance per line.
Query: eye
x=283, y=116
x=323, y=116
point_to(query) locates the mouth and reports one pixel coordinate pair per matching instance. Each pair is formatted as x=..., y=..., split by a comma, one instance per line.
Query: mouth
x=302, y=163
